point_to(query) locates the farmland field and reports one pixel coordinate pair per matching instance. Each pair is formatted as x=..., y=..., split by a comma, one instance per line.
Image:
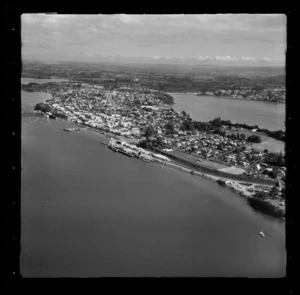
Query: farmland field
x=271, y=144
x=233, y=170
x=247, y=133
x=193, y=159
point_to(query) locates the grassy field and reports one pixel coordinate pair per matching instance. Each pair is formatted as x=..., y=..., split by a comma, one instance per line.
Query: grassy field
x=233, y=170
x=247, y=133
x=271, y=144
x=193, y=159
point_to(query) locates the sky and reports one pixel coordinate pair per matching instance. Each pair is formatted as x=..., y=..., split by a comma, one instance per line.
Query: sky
x=204, y=38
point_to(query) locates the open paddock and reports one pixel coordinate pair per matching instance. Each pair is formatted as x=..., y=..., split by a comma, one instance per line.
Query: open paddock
x=233, y=170
x=194, y=159
x=272, y=145
x=247, y=133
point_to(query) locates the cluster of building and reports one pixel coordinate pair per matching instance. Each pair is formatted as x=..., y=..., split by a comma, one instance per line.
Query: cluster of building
x=277, y=94
x=134, y=151
x=127, y=112
x=209, y=145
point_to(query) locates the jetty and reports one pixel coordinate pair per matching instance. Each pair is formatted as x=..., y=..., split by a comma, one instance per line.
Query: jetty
x=134, y=151
x=71, y=129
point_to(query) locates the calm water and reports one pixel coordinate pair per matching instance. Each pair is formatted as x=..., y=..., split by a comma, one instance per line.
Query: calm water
x=90, y=212
x=32, y=98
x=205, y=108
x=40, y=81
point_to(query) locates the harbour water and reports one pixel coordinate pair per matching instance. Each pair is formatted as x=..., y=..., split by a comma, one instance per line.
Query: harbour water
x=205, y=108
x=40, y=81
x=89, y=212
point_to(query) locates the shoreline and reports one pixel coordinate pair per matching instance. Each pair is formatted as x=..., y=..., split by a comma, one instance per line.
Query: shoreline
x=232, y=185
x=225, y=97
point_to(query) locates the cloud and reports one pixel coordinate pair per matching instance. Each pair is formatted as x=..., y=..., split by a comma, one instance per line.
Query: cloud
x=226, y=58
x=246, y=58
x=266, y=59
x=204, y=57
x=47, y=20
x=131, y=19
x=156, y=57
x=164, y=35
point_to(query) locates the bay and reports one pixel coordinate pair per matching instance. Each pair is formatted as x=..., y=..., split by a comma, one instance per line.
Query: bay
x=205, y=108
x=40, y=81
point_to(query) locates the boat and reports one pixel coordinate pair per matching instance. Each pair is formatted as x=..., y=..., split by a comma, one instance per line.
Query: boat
x=262, y=233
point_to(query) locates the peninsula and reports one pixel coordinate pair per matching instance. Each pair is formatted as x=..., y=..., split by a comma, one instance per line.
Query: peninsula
x=141, y=122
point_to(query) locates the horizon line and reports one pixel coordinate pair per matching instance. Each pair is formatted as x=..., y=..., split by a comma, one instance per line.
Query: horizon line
x=156, y=62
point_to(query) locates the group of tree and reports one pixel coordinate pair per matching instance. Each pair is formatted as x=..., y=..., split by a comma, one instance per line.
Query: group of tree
x=187, y=126
x=279, y=134
x=239, y=125
x=149, y=131
x=217, y=123
x=169, y=128
x=43, y=107
x=259, y=202
x=276, y=159
x=271, y=174
x=220, y=131
x=254, y=138
x=156, y=142
x=165, y=98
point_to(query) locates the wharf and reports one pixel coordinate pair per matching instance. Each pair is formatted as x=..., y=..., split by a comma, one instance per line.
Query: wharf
x=71, y=129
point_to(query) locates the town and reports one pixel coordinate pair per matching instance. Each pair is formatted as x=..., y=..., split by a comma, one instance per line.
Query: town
x=270, y=94
x=142, y=123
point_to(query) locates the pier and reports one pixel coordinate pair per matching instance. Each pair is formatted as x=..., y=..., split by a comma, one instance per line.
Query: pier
x=71, y=129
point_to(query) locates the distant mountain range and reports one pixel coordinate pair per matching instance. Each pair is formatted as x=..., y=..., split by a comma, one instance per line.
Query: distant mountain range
x=176, y=61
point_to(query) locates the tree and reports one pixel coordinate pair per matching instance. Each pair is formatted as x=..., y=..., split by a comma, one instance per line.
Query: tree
x=254, y=139
x=216, y=122
x=266, y=151
x=283, y=193
x=221, y=131
x=159, y=142
x=187, y=125
x=149, y=131
x=169, y=127
x=221, y=146
x=143, y=144
x=275, y=159
x=274, y=192
x=242, y=136
x=272, y=174
x=43, y=107
x=261, y=195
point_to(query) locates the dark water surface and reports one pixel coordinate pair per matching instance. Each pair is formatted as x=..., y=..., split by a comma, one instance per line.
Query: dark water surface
x=90, y=212
x=205, y=108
